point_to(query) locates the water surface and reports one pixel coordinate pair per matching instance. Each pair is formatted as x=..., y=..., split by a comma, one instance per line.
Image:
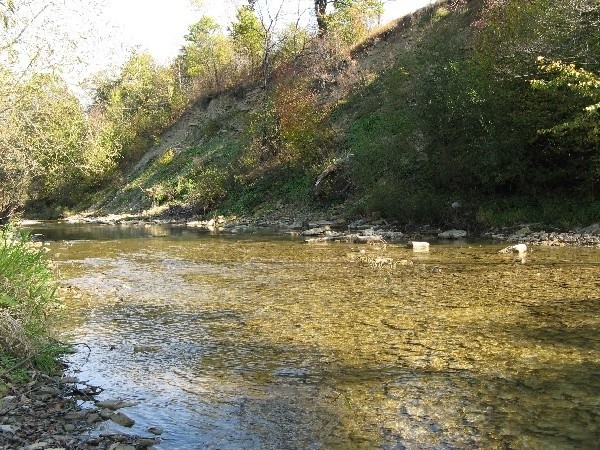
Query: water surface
x=268, y=342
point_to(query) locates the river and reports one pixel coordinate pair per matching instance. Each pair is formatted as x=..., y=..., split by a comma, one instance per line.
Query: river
x=259, y=341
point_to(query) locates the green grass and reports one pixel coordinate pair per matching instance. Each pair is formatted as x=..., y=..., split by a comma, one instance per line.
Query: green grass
x=563, y=213
x=27, y=297
x=282, y=184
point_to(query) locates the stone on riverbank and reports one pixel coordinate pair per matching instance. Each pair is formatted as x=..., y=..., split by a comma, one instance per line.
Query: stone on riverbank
x=44, y=414
x=122, y=419
x=453, y=234
x=518, y=248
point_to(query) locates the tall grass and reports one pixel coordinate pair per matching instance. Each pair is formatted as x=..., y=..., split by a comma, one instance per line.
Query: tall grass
x=27, y=294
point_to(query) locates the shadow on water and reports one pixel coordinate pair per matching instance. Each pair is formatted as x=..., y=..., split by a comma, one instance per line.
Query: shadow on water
x=52, y=231
x=549, y=402
x=269, y=343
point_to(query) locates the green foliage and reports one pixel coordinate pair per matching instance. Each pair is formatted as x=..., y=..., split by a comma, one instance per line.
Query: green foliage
x=135, y=107
x=294, y=41
x=27, y=294
x=302, y=125
x=206, y=188
x=580, y=82
x=352, y=20
x=208, y=52
x=44, y=135
x=290, y=129
x=562, y=212
x=278, y=186
x=196, y=178
x=557, y=151
x=249, y=37
x=472, y=113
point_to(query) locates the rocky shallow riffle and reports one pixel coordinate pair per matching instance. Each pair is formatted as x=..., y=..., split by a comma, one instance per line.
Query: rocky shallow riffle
x=361, y=230
x=59, y=413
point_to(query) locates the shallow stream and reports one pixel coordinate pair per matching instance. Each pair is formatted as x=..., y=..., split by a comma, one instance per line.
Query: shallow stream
x=259, y=341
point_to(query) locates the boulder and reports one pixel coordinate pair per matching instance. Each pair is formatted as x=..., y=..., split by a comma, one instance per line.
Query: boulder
x=391, y=235
x=316, y=231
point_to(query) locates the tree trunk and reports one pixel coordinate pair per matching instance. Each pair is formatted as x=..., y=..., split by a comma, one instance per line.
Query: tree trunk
x=320, y=12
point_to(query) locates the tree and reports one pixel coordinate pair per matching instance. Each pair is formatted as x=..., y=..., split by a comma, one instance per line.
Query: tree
x=294, y=41
x=7, y=8
x=136, y=106
x=43, y=142
x=547, y=52
x=248, y=37
x=321, y=14
x=207, y=51
x=350, y=19
x=43, y=129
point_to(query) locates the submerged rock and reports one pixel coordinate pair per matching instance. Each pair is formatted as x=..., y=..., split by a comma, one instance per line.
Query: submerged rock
x=157, y=431
x=115, y=404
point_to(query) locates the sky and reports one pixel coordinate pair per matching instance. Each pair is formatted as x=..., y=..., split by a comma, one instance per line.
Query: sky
x=86, y=37
x=159, y=27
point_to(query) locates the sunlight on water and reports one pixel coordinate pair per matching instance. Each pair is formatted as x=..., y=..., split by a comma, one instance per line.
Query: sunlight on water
x=257, y=342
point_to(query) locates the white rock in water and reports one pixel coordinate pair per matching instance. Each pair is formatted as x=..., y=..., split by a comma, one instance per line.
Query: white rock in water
x=453, y=234
x=519, y=248
x=418, y=246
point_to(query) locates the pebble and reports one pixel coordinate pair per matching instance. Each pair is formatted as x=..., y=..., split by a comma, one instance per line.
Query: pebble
x=56, y=423
x=157, y=431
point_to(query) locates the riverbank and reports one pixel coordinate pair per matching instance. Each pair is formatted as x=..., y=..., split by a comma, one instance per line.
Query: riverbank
x=38, y=411
x=331, y=228
x=59, y=412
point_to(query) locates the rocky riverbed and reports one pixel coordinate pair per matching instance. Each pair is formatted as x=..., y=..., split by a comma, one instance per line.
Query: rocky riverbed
x=333, y=229
x=59, y=412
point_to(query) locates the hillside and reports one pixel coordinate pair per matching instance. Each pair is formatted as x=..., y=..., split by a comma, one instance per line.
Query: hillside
x=448, y=116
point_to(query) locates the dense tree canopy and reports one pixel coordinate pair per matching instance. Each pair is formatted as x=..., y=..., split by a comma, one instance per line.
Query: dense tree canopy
x=350, y=18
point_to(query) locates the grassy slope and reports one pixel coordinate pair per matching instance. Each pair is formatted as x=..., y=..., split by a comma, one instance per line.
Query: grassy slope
x=408, y=113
